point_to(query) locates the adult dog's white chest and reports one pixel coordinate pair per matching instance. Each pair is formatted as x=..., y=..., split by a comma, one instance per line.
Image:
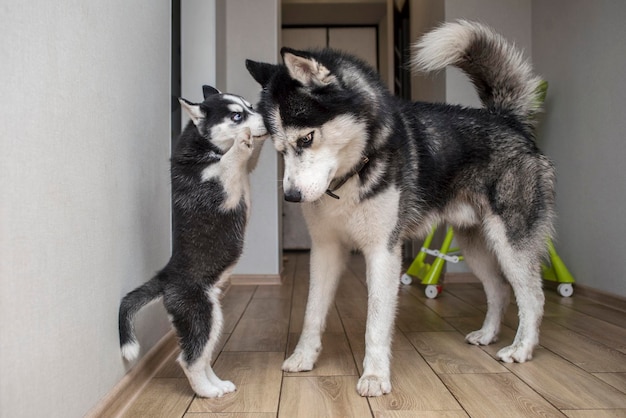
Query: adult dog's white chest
x=355, y=222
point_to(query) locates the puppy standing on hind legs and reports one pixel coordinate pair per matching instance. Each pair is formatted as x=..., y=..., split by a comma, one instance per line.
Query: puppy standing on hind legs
x=372, y=170
x=211, y=203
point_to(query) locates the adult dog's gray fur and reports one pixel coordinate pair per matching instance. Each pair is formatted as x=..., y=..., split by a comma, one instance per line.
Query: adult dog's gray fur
x=400, y=167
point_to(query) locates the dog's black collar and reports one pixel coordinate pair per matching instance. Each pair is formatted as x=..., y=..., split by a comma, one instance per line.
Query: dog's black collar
x=356, y=170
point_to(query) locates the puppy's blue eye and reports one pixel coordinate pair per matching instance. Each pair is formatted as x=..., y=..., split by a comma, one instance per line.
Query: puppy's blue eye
x=236, y=117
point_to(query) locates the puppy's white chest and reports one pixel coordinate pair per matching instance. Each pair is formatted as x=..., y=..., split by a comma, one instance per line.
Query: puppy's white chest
x=235, y=182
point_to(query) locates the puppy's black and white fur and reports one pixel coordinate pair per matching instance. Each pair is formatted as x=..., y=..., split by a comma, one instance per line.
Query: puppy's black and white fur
x=211, y=203
x=399, y=167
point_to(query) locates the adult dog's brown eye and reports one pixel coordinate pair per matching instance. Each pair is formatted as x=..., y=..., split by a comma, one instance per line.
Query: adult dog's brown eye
x=306, y=141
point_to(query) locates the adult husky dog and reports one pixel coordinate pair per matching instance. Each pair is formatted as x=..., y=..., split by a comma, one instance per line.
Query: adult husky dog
x=372, y=170
x=211, y=202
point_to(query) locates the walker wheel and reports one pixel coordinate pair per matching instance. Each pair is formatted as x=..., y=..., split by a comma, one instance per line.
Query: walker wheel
x=406, y=279
x=432, y=291
x=565, y=289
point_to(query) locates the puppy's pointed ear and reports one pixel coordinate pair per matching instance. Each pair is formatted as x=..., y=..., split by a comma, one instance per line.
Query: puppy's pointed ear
x=209, y=91
x=193, y=110
x=306, y=69
x=261, y=71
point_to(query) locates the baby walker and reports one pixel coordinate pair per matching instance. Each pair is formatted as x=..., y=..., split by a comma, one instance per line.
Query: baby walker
x=427, y=273
x=430, y=274
x=557, y=272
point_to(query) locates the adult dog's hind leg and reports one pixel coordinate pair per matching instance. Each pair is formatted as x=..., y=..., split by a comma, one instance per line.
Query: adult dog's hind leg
x=328, y=258
x=521, y=267
x=198, y=321
x=484, y=264
x=383, y=273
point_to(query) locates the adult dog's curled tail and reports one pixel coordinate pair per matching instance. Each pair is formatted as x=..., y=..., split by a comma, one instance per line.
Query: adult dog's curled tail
x=503, y=79
x=130, y=305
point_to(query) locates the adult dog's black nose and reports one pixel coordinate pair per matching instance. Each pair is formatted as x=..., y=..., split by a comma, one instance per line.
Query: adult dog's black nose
x=293, y=195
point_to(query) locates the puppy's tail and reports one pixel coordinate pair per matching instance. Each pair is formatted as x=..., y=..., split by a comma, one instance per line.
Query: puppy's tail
x=504, y=80
x=131, y=304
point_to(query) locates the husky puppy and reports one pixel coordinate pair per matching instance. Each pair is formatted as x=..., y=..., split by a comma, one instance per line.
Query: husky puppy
x=372, y=170
x=211, y=203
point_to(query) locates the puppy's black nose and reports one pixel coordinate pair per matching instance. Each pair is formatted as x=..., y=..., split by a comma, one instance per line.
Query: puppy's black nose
x=293, y=195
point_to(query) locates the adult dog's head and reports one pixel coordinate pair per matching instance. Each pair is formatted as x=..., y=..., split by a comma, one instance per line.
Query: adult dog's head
x=317, y=107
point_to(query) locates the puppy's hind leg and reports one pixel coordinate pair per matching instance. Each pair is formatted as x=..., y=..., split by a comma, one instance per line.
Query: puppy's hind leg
x=485, y=266
x=198, y=320
x=217, y=322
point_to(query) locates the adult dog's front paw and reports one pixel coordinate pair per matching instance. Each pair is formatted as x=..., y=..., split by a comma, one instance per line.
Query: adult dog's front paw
x=518, y=353
x=371, y=385
x=481, y=337
x=299, y=362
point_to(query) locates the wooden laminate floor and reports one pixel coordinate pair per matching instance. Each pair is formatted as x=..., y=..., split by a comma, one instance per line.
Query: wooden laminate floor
x=578, y=371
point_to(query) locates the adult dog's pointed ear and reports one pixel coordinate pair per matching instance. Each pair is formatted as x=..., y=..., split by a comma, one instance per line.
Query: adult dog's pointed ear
x=193, y=110
x=209, y=91
x=262, y=72
x=306, y=69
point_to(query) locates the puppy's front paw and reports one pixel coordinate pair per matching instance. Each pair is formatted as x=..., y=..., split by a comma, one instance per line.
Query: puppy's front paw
x=242, y=148
x=225, y=386
x=244, y=140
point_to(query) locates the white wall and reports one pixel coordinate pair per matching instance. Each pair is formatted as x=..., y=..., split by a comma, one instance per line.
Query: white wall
x=84, y=206
x=216, y=38
x=252, y=31
x=198, y=49
x=579, y=47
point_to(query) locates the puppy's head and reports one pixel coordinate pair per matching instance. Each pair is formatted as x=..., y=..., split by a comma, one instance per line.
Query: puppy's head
x=222, y=117
x=314, y=118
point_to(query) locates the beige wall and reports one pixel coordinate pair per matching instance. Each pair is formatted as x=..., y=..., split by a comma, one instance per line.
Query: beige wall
x=84, y=206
